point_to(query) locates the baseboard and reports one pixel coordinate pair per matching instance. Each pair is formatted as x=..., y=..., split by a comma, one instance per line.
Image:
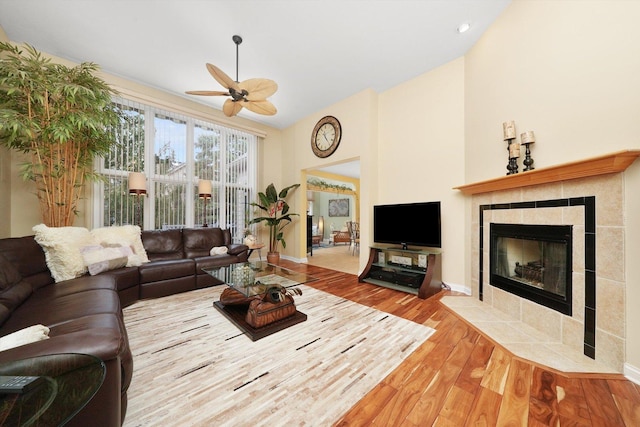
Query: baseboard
x=632, y=373
x=458, y=288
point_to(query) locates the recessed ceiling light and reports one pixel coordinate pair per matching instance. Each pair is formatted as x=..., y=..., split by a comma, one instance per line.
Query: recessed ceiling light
x=463, y=28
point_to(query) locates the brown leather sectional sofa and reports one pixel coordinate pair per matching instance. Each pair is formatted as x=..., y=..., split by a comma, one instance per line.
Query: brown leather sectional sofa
x=84, y=315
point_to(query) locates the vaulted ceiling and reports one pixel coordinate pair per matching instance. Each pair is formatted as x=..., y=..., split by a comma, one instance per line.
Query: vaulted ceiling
x=318, y=51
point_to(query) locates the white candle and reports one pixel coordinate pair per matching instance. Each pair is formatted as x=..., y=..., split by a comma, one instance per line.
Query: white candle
x=527, y=137
x=509, y=130
x=514, y=150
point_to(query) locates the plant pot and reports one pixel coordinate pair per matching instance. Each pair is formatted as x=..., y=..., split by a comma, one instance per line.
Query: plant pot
x=273, y=257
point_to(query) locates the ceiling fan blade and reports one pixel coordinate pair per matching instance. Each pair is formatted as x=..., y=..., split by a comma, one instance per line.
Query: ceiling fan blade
x=231, y=107
x=221, y=77
x=258, y=89
x=263, y=107
x=208, y=93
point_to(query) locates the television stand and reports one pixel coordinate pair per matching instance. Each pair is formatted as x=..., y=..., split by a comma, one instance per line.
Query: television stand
x=408, y=270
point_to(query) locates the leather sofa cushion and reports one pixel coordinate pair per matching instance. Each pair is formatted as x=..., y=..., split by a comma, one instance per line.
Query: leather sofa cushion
x=4, y=314
x=105, y=343
x=166, y=270
x=13, y=289
x=100, y=320
x=199, y=241
x=77, y=285
x=214, y=261
x=54, y=311
x=9, y=276
x=238, y=249
x=125, y=278
x=15, y=295
x=27, y=256
x=163, y=245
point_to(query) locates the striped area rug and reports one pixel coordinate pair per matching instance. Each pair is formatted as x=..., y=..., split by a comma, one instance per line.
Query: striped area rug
x=192, y=367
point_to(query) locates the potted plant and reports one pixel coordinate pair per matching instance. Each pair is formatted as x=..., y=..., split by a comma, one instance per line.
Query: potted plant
x=277, y=217
x=61, y=118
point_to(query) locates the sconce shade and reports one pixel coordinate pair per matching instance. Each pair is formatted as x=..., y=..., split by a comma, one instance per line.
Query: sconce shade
x=137, y=183
x=204, y=188
x=309, y=196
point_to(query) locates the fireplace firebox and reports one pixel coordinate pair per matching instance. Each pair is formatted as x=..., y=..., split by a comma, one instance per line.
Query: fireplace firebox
x=533, y=262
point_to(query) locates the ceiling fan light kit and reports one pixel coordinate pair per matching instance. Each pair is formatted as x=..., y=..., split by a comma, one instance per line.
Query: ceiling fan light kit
x=251, y=94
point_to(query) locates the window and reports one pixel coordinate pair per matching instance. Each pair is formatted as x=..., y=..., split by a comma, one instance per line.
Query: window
x=174, y=152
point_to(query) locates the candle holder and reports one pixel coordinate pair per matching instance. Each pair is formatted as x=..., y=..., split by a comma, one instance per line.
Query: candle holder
x=512, y=166
x=528, y=160
x=526, y=139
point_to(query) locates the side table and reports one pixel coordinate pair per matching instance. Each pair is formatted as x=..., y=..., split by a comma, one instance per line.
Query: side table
x=71, y=380
x=258, y=247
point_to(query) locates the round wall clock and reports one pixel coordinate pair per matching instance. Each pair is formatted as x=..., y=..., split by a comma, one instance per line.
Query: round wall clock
x=325, y=137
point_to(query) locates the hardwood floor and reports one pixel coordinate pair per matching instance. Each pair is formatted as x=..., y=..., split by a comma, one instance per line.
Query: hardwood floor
x=460, y=377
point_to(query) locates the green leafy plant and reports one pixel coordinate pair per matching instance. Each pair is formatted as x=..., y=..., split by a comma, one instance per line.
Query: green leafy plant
x=320, y=183
x=61, y=118
x=277, y=217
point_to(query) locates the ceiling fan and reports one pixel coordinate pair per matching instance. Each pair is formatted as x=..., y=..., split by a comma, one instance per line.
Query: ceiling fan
x=251, y=94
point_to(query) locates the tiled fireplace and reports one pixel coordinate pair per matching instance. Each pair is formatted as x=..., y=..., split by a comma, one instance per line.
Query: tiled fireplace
x=592, y=209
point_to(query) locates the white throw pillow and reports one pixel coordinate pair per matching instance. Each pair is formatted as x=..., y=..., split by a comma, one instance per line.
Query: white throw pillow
x=61, y=247
x=124, y=235
x=24, y=336
x=100, y=259
x=218, y=250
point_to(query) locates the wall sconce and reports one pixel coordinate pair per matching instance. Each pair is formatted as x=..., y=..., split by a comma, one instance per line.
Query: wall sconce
x=204, y=192
x=138, y=186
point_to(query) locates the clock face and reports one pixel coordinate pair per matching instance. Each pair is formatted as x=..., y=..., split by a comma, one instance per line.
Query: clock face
x=326, y=136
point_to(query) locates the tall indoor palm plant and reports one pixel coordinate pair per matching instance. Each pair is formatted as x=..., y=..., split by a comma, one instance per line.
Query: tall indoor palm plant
x=277, y=217
x=61, y=118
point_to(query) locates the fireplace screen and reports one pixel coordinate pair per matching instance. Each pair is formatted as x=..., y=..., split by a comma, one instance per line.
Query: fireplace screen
x=534, y=262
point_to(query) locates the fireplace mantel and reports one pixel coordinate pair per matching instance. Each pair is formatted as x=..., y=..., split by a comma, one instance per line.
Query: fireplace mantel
x=609, y=163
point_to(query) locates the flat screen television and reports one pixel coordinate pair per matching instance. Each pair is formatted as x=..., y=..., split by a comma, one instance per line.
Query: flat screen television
x=408, y=224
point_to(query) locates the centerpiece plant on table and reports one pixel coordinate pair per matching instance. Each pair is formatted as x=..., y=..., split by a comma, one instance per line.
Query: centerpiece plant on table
x=277, y=217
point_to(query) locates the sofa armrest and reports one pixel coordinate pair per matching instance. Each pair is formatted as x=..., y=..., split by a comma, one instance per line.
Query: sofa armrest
x=103, y=343
x=238, y=249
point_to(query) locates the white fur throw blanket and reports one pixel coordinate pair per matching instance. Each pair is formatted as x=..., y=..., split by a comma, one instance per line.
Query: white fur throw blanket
x=218, y=250
x=24, y=336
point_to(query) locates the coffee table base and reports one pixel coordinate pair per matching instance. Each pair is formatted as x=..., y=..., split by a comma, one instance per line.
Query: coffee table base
x=237, y=313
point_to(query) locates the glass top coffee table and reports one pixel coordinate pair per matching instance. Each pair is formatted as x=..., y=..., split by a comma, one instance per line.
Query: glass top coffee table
x=68, y=382
x=259, y=299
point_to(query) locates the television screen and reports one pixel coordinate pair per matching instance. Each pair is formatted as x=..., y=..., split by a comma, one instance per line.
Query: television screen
x=408, y=224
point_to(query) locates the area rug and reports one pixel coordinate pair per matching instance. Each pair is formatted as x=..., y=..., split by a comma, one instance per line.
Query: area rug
x=192, y=367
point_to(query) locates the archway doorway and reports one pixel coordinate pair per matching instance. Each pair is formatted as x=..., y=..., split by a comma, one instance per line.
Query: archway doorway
x=333, y=201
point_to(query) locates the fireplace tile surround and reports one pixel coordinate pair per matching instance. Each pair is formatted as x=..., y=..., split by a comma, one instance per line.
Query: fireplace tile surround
x=590, y=204
x=601, y=285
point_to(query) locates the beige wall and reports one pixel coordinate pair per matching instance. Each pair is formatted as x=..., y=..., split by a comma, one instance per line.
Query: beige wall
x=568, y=70
x=358, y=119
x=5, y=179
x=420, y=157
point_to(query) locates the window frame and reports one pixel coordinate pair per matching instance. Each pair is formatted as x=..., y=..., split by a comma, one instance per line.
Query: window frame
x=220, y=187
